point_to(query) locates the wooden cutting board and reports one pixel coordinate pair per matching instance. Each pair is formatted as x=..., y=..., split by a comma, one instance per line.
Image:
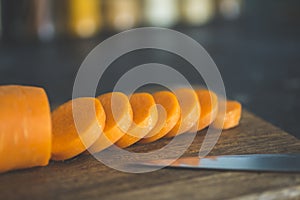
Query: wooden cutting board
x=86, y=178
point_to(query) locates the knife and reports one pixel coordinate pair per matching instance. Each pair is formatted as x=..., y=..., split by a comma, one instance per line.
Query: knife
x=248, y=162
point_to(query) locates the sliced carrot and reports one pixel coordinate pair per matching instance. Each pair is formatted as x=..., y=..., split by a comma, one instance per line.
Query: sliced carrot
x=25, y=127
x=209, y=107
x=76, y=126
x=190, y=111
x=231, y=118
x=118, y=120
x=144, y=118
x=168, y=119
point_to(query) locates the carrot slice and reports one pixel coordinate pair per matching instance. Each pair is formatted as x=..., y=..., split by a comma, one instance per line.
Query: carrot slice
x=76, y=126
x=190, y=111
x=144, y=118
x=118, y=120
x=25, y=127
x=168, y=120
x=209, y=106
x=232, y=116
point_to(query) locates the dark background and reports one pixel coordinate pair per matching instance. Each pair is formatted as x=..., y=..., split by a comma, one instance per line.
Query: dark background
x=258, y=56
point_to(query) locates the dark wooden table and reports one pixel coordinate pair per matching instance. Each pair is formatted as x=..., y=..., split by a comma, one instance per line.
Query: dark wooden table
x=86, y=178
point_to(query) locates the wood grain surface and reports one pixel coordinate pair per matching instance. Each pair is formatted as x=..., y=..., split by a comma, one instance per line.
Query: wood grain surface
x=86, y=178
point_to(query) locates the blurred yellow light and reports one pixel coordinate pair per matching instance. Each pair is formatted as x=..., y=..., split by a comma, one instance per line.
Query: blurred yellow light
x=85, y=17
x=124, y=21
x=122, y=14
x=197, y=12
x=86, y=27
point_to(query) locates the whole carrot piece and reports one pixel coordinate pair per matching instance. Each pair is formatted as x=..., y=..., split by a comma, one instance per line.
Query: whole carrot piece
x=25, y=127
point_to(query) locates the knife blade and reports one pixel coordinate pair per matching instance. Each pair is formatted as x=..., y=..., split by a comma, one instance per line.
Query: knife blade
x=247, y=162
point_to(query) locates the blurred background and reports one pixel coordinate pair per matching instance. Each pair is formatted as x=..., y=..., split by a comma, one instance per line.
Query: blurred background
x=255, y=44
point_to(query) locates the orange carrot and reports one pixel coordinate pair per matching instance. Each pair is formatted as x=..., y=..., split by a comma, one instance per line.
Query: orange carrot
x=118, y=120
x=25, y=127
x=231, y=118
x=209, y=106
x=190, y=111
x=76, y=126
x=167, y=118
x=144, y=118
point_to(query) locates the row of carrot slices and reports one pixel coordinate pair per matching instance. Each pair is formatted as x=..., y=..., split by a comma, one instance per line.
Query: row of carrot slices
x=30, y=136
x=136, y=119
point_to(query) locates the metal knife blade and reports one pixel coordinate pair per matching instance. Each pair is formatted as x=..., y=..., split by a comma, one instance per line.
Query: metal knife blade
x=248, y=162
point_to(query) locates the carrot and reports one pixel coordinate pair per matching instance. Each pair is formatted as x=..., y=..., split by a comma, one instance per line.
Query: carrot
x=190, y=111
x=76, y=126
x=118, y=120
x=144, y=118
x=209, y=106
x=231, y=118
x=167, y=118
x=25, y=127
